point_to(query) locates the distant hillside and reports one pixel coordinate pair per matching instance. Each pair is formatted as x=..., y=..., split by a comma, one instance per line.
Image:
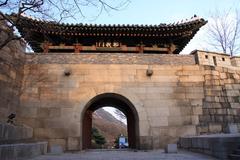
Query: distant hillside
x=108, y=126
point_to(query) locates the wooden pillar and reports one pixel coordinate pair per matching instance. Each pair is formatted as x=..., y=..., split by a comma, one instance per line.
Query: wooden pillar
x=94, y=47
x=46, y=47
x=141, y=48
x=124, y=48
x=172, y=47
x=77, y=48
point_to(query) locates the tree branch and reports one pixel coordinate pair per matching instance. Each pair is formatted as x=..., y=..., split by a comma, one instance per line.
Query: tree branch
x=62, y=9
x=224, y=31
x=4, y=3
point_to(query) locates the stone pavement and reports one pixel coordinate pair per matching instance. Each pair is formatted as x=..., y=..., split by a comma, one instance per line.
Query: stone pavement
x=126, y=155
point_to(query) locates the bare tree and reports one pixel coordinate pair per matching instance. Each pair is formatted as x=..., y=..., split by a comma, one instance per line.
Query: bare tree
x=57, y=10
x=224, y=31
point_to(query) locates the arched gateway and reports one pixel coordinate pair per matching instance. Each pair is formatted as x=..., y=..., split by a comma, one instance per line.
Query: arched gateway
x=135, y=68
x=113, y=100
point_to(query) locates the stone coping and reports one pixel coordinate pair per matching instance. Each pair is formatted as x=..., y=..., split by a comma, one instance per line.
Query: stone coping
x=221, y=135
x=28, y=141
x=23, y=143
x=212, y=52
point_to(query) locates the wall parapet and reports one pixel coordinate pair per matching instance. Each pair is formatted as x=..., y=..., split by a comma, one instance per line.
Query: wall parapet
x=110, y=58
x=216, y=59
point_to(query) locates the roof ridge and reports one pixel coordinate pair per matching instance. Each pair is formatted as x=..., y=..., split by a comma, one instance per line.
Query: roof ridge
x=178, y=23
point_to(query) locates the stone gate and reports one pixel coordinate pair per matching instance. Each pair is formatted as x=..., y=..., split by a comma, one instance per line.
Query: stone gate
x=164, y=95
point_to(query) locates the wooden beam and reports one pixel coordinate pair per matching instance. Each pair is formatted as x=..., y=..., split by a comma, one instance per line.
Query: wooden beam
x=77, y=48
x=61, y=47
x=156, y=49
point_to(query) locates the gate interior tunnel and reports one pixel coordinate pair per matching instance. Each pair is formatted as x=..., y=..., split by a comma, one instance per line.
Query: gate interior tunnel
x=116, y=101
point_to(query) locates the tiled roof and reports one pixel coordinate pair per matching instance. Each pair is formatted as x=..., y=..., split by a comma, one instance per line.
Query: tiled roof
x=178, y=33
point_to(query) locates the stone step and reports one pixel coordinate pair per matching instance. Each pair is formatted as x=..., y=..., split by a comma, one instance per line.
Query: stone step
x=234, y=156
x=18, y=151
x=110, y=150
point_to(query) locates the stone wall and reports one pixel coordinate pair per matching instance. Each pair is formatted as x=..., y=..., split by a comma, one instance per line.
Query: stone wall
x=221, y=105
x=220, y=146
x=168, y=103
x=11, y=74
x=180, y=98
x=111, y=58
x=235, y=61
x=11, y=133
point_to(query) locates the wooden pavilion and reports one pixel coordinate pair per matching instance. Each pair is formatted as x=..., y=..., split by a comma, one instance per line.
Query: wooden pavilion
x=50, y=36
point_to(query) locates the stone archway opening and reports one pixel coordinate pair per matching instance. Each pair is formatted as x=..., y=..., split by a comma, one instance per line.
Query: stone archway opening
x=116, y=101
x=109, y=126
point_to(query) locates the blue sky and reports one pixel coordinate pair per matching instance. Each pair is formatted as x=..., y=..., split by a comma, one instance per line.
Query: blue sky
x=160, y=11
x=163, y=11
